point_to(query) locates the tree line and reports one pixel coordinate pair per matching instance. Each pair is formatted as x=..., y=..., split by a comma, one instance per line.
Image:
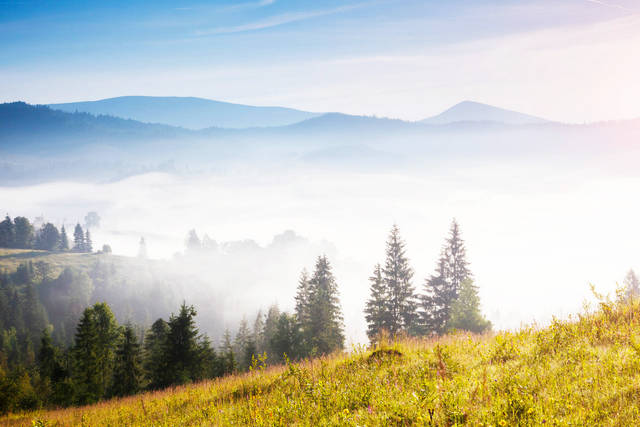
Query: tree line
x=450, y=299
x=19, y=233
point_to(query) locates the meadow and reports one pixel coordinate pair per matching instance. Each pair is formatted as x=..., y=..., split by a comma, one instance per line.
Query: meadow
x=581, y=371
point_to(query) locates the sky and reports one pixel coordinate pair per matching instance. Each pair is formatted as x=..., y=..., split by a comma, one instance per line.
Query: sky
x=566, y=60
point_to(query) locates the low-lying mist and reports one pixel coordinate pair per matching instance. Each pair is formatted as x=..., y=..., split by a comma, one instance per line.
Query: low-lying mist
x=537, y=234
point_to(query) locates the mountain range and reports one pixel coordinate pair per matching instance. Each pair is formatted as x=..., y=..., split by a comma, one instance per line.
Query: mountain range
x=199, y=113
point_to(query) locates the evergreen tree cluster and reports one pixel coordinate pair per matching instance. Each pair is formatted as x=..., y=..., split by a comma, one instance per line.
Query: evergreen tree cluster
x=315, y=328
x=450, y=299
x=108, y=360
x=19, y=233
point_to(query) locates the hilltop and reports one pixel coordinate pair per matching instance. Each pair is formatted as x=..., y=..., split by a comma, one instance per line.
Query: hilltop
x=575, y=372
x=188, y=112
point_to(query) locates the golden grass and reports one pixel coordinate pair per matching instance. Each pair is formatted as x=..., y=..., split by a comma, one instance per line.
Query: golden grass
x=584, y=371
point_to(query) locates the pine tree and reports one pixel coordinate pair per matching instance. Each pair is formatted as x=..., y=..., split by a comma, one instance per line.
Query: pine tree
x=127, y=372
x=325, y=327
x=181, y=351
x=397, y=275
x=23, y=233
x=243, y=336
x=7, y=233
x=228, y=357
x=96, y=336
x=154, y=363
x=258, y=332
x=193, y=242
x=287, y=338
x=442, y=288
x=88, y=245
x=302, y=311
x=270, y=328
x=48, y=238
x=631, y=286
x=376, y=308
x=64, y=240
x=457, y=267
x=465, y=311
x=78, y=239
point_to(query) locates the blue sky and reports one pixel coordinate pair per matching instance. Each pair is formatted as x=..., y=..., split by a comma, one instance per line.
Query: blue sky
x=323, y=56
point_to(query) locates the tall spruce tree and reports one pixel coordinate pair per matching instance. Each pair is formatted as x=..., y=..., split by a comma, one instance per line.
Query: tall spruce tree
x=78, y=239
x=127, y=371
x=302, y=311
x=23, y=233
x=457, y=267
x=442, y=288
x=325, y=325
x=182, y=350
x=64, y=240
x=229, y=363
x=376, y=311
x=93, y=352
x=154, y=363
x=397, y=276
x=435, y=303
x=7, y=233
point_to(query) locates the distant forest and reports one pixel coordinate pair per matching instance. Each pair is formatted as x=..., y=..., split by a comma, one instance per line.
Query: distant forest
x=61, y=345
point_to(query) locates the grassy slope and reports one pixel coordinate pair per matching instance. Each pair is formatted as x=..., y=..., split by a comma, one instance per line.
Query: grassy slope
x=580, y=372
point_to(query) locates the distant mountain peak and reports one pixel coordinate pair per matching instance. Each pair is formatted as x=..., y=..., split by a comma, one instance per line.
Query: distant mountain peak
x=472, y=111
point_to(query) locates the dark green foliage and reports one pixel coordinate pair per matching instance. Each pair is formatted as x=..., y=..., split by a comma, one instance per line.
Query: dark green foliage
x=78, y=239
x=324, y=329
x=7, y=233
x=94, y=352
x=287, y=339
x=64, y=239
x=375, y=310
x=229, y=363
x=442, y=288
x=401, y=303
x=181, y=347
x=154, y=348
x=48, y=238
x=127, y=372
x=23, y=233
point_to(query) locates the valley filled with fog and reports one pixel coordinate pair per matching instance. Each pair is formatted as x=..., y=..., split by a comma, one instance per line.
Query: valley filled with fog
x=546, y=221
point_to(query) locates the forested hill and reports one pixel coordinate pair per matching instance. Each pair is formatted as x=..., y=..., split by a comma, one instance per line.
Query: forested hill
x=25, y=126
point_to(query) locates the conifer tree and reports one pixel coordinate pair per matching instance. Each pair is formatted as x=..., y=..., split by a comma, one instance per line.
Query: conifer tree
x=229, y=359
x=243, y=336
x=127, y=371
x=457, y=267
x=64, y=240
x=48, y=238
x=465, y=310
x=78, y=239
x=154, y=363
x=270, y=328
x=325, y=328
x=23, y=233
x=435, y=303
x=7, y=233
x=88, y=245
x=397, y=275
x=258, y=332
x=375, y=310
x=181, y=351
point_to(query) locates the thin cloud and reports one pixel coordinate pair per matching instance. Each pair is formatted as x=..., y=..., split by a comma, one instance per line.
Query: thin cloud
x=274, y=21
x=615, y=6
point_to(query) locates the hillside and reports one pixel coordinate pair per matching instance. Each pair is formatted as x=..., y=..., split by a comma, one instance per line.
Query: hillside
x=469, y=111
x=188, y=112
x=580, y=372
